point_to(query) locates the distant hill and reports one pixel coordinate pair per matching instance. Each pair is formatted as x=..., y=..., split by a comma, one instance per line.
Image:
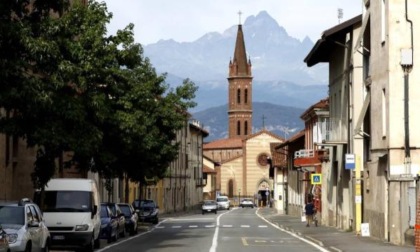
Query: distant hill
x=280, y=75
x=281, y=120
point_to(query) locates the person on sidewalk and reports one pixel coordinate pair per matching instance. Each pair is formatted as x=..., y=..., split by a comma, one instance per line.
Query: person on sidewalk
x=309, y=212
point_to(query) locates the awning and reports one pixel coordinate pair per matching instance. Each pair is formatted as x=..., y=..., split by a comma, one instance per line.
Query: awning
x=362, y=31
x=362, y=114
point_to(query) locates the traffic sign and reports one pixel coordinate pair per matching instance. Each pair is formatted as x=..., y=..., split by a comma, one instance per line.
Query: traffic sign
x=316, y=178
x=350, y=164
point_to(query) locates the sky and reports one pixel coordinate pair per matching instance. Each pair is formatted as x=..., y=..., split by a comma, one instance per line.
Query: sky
x=188, y=20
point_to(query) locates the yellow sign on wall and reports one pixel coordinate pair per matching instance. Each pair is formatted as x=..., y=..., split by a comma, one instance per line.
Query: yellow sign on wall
x=316, y=178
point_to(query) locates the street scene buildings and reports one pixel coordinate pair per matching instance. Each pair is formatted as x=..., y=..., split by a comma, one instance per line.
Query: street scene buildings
x=357, y=158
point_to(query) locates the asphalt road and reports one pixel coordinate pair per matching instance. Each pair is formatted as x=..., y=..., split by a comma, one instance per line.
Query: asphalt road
x=235, y=230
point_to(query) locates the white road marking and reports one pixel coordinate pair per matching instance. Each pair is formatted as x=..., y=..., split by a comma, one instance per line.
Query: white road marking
x=209, y=226
x=216, y=234
x=245, y=226
x=225, y=226
x=176, y=226
x=262, y=226
x=192, y=226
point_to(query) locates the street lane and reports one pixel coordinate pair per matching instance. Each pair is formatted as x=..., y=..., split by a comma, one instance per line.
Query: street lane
x=243, y=230
x=235, y=230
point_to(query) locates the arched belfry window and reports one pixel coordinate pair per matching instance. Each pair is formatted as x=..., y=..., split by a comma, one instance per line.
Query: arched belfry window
x=246, y=128
x=238, y=128
x=246, y=96
x=239, y=96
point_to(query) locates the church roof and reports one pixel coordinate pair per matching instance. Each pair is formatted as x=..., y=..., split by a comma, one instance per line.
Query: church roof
x=264, y=131
x=226, y=143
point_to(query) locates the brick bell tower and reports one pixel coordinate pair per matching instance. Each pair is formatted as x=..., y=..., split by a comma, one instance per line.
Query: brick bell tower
x=240, y=91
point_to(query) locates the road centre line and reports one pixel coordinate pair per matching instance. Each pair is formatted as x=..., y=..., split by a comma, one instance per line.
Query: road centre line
x=216, y=233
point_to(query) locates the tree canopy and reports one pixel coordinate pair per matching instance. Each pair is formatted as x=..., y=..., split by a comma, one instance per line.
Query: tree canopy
x=68, y=86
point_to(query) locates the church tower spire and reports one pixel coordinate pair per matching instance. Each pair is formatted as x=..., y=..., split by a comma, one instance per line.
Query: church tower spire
x=240, y=90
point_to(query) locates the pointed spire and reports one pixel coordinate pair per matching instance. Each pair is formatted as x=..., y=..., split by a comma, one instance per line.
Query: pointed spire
x=239, y=57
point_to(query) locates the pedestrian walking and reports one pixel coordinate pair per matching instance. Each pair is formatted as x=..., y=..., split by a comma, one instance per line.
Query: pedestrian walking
x=309, y=212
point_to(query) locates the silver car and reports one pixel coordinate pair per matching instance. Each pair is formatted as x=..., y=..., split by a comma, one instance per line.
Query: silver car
x=209, y=206
x=223, y=202
x=24, y=225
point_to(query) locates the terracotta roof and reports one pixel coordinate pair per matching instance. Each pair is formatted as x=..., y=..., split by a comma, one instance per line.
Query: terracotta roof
x=321, y=105
x=207, y=169
x=226, y=143
x=291, y=139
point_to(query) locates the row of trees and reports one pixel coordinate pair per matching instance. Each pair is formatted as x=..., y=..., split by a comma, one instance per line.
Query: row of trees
x=66, y=85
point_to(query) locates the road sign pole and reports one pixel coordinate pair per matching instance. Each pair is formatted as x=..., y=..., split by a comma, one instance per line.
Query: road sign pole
x=358, y=196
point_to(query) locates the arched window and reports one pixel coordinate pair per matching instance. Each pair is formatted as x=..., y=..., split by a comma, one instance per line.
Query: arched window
x=246, y=128
x=246, y=96
x=239, y=96
x=238, y=128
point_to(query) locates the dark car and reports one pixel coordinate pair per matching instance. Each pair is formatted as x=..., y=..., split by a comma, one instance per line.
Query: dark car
x=118, y=214
x=109, y=224
x=131, y=218
x=147, y=210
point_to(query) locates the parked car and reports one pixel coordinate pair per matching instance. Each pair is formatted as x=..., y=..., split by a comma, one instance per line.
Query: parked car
x=119, y=216
x=223, y=202
x=131, y=218
x=24, y=225
x=147, y=210
x=247, y=202
x=4, y=244
x=209, y=206
x=109, y=224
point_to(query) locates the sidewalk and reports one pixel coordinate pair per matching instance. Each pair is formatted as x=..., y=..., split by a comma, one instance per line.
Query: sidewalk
x=328, y=237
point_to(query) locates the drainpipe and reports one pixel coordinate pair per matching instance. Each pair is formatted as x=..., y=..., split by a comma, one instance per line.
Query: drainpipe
x=407, y=65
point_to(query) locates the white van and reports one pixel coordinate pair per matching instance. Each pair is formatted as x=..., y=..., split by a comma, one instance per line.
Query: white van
x=72, y=213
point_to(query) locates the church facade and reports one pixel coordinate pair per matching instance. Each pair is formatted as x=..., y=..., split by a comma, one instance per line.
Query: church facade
x=243, y=157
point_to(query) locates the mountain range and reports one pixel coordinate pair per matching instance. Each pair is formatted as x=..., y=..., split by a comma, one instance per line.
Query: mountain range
x=281, y=79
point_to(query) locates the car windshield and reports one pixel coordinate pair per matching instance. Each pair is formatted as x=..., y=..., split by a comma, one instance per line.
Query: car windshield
x=104, y=212
x=222, y=199
x=246, y=200
x=210, y=202
x=12, y=215
x=146, y=205
x=67, y=201
x=125, y=209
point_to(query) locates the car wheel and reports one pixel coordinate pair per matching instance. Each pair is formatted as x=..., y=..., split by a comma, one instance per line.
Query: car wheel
x=28, y=247
x=47, y=246
x=117, y=235
x=91, y=246
x=215, y=212
x=156, y=221
x=123, y=232
x=202, y=212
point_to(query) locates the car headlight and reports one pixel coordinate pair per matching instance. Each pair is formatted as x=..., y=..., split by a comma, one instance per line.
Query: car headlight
x=84, y=227
x=12, y=238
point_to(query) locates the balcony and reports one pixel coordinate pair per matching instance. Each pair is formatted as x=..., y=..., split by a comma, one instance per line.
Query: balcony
x=310, y=158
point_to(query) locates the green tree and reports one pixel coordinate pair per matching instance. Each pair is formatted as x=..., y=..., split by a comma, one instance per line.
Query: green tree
x=67, y=86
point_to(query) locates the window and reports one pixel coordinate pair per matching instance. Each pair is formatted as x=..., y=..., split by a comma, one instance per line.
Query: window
x=246, y=96
x=238, y=128
x=246, y=128
x=239, y=96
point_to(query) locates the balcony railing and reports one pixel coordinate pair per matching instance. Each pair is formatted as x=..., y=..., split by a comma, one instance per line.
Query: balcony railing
x=310, y=157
